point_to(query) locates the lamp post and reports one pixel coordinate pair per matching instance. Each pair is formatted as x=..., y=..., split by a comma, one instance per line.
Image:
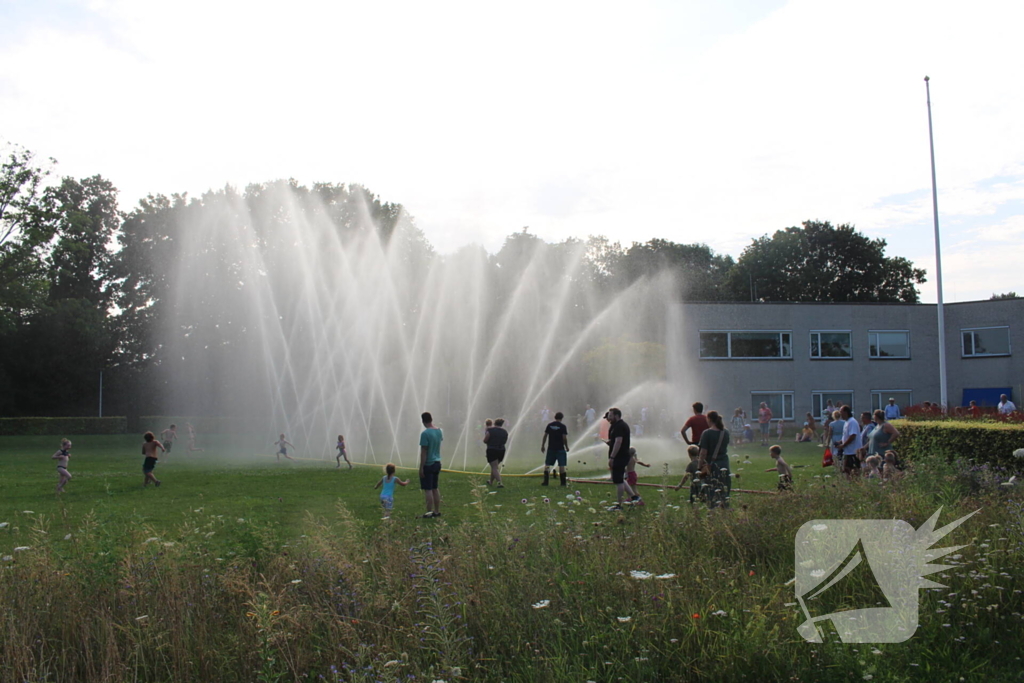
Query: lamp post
x=938, y=256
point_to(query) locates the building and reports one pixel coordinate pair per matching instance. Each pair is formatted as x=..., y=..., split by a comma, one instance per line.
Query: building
x=797, y=356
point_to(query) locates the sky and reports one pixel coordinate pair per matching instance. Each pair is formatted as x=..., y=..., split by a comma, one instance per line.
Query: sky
x=714, y=121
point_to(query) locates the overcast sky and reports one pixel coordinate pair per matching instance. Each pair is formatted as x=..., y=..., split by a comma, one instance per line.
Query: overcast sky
x=713, y=121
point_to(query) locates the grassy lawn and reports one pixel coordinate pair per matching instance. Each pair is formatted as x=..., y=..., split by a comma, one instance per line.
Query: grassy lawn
x=239, y=568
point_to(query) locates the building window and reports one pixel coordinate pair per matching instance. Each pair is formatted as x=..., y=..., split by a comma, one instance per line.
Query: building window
x=779, y=402
x=820, y=399
x=831, y=345
x=747, y=345
x=985, y=341
x=880, y=398
x=889, y=344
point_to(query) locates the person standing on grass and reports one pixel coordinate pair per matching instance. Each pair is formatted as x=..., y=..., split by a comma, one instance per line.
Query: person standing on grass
x=387, y=494
x=618, y=454
x=282, y=447
x=849, y=447
x=61, y=456
x=430, y=465
x=495, y=438
x=631, y=477
x=342, y=452
x=714, y=454
x=696, y=425
x=168, y=436
x=590, y=415
x=149, y=448
x=192, y=439
x=892, y=411
x=764, y=419
x=882, y=436
x=557, y=447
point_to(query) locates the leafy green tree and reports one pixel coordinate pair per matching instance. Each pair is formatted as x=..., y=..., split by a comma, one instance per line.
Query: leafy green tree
x=1007, y=295
x=822, y=262
x=698, y=271
x=25, y=234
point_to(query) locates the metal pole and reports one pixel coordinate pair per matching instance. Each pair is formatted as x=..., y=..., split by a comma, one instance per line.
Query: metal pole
x=943, y=399
x=101, y=393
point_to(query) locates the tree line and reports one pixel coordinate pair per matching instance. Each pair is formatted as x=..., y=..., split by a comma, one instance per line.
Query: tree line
x=86, y=287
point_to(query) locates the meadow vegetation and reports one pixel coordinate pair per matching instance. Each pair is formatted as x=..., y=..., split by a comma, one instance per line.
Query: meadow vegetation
x=239, y=569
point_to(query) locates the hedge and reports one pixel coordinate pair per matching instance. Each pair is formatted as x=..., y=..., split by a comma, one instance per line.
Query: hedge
x=62, y=426
x=202, y=425
x=982, y=442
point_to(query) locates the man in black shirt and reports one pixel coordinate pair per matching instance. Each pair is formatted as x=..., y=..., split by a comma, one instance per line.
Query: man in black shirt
x=618, y=454
x=557, y=446
x=496, y=437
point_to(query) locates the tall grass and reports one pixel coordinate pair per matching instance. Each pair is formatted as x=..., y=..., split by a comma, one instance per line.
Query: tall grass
x=544, y=596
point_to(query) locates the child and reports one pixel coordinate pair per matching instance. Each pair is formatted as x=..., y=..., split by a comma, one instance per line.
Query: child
x=631, y=477
x=168, y=436
x=149, y=448
x=192, y=439
x=342, y=453
x=889, y=468
x=748, y=433
x=782, y=467
x=282, y=449
x=872, y=467
x=692, y=473
x=387, y=494
x=778, y=429
x=805, y=435
x=61, y=456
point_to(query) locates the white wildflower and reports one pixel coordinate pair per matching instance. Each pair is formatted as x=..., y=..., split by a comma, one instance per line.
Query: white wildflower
x=665, y=577
x=3, y=525
x=296, y=580
x=640, y=574
x=624, y=620
x=720, y=613
x=542, y=604
x=68, y=537
x=7, y=558
x=820, y=527
x=152, y=539
x=21, y=547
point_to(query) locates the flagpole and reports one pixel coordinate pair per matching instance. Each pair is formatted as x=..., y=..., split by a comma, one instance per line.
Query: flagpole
x=943, y=398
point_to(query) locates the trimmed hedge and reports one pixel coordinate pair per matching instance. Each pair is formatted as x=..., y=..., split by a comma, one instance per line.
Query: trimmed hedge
x=202, y=425
x=62, y=426
x=982, y=442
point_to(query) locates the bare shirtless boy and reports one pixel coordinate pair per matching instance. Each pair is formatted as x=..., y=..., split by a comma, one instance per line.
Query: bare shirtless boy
x=61, y=456
x=782, y=467
x=149, y=449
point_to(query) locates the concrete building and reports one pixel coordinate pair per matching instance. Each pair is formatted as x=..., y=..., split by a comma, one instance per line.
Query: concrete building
x=797, y=356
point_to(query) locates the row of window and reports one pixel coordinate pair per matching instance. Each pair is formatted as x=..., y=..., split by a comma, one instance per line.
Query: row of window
x=838, y=344
x=781, y=402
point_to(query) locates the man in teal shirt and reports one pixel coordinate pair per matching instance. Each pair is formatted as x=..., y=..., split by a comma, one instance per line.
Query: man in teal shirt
x=430, y=465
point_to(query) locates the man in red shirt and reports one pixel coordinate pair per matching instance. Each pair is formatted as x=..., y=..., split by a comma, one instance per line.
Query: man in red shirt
x=696, y=424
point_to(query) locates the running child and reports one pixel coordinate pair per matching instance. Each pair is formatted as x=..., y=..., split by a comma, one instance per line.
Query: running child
x=61, y=456
x=342, y=452
x=387, y=494
x=168, y=437
x=782, y=467
x=149, y=448
x=192, y=439
x=631, y=477
x=282, y=448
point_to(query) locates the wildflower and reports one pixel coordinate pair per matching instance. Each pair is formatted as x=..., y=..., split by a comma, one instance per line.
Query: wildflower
x=695, y=615
x=665, y=577
x=673, y=640
x=7, y=558
x=542, y=604
x=168, y=544
x=751, y=573
x=296, y=581
x=144, y=616
x=820, y=527
x=720, y=613
x=241, y=521
x=3, y=525
x=642, y=575
x=523, y=501
x=152, y=539
x=456, y=671
x=591, y=510
x=68, y=537
x=27, y=512
x=624, y=620
x=22, y=547
x=547, y=500
x=868, y=677
x=578, y=494
x=818, y=573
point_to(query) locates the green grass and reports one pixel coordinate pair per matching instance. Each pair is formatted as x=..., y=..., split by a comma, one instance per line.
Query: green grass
x=241, y=569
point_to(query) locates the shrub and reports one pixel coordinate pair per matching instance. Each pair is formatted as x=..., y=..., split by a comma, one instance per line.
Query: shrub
x=63, y=426
x=203, y=425
x=982, y=442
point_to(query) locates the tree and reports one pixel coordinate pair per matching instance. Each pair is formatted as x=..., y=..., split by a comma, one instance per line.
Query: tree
x=822, y=262
x=24, y=236
x=698, y=271
x=1007, y=295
